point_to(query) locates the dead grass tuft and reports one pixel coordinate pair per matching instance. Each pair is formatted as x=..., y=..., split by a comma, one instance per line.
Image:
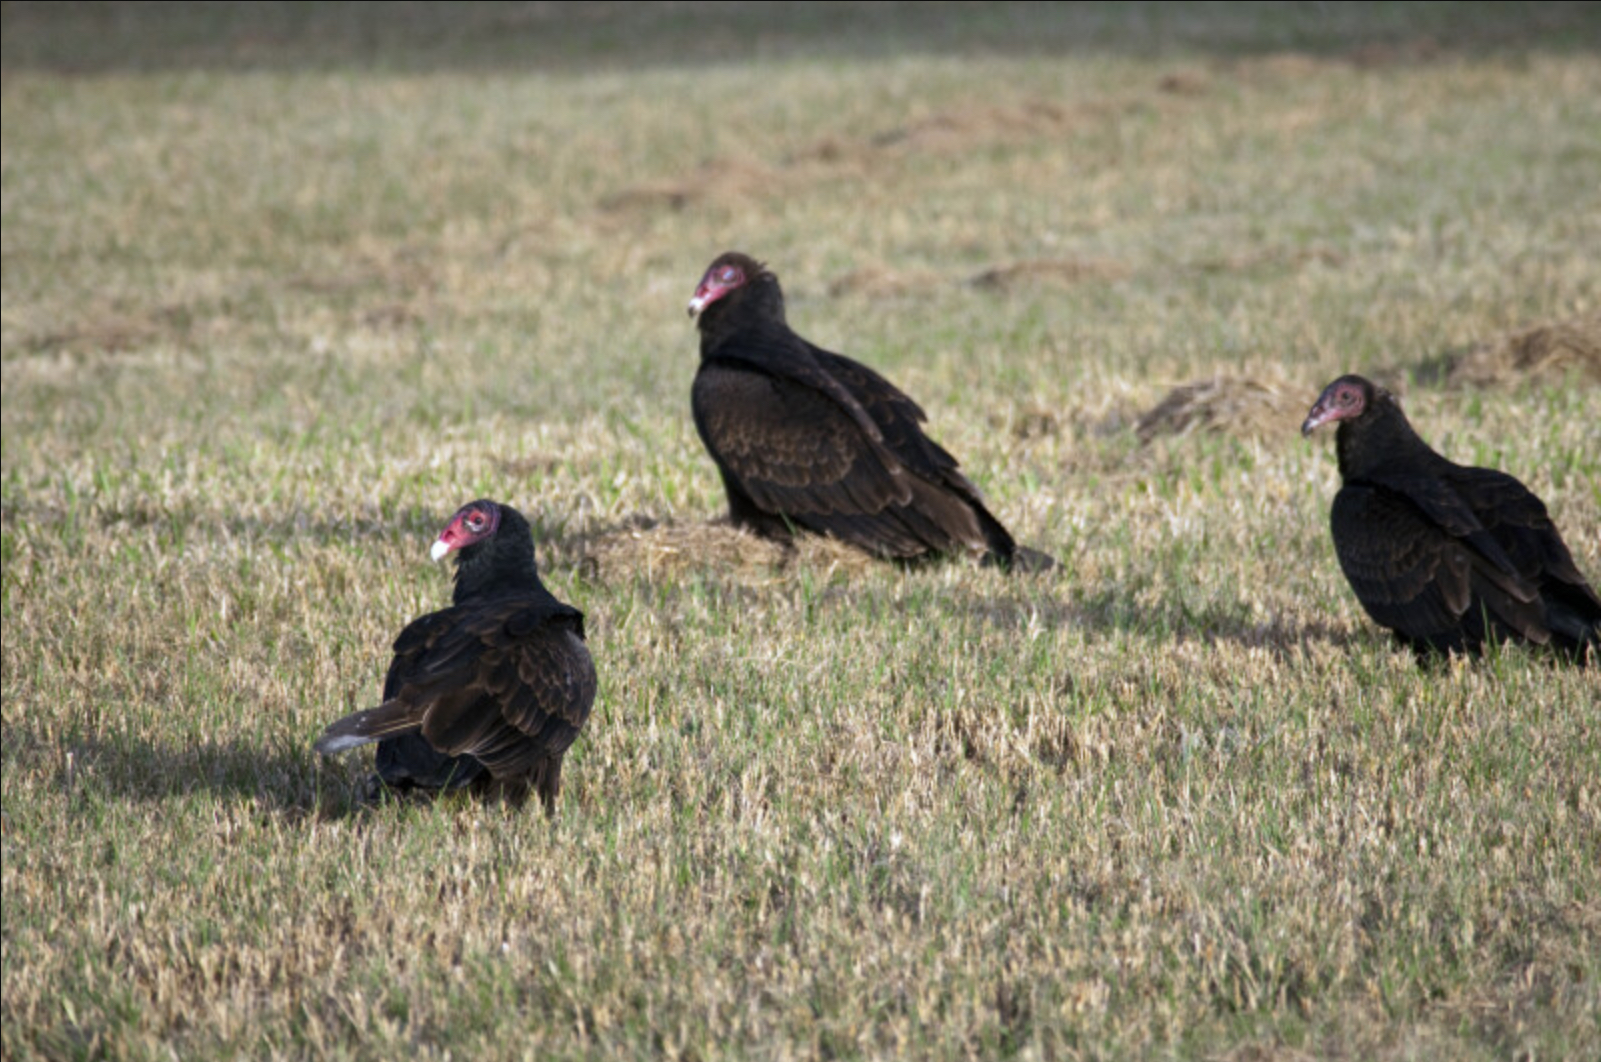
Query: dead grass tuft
x=1049, y=270
x=649, y=550
x=646, y=549
x=1184, y=83
x=948, y=132
x=721, y=178
x=952, y=131
x=116, y=330
x=1280, y=67
x=879, y=282
x=1030, y=421
x=1249, y=259
x=961, y=129
x=1549, y=352
x=1392, y=53
x=1242, y=407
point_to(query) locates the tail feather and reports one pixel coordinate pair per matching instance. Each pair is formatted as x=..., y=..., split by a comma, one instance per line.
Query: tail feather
x=1004, y=551
x=369, y=724
x=1032, y=560
x=1576, y=635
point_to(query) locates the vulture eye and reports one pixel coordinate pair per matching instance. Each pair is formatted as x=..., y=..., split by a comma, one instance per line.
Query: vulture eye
x=730, y=274
x=475, y=521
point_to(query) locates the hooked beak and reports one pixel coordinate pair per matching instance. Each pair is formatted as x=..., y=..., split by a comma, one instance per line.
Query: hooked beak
x=1320, y=415
x=439, y=549
x=698, y=303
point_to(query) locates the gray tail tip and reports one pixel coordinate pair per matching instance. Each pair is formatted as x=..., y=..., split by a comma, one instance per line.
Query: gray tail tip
x=334, y=744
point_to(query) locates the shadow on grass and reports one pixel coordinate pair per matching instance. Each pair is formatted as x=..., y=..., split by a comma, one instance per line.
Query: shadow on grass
x=484, y=36
x=1552, y=353
x=706, y=571
x=285, y=781
x=1114, y=611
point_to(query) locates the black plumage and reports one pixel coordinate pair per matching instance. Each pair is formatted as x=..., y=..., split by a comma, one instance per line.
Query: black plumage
x=490, y=692
x=1447, y=556
x=808, y=439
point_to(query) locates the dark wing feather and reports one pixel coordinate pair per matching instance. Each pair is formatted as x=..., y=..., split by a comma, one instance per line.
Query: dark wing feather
x=498, y=684
x=483, y=681
x=408, y=760
x=790, y=449
x=412, y=646
x=1453, y=511
x=527, y=696
x=782, y=355
x=787, y=450
x=1429, y=583
x=956, y=507
x=1519, y=522
x=1525, y=578
x=1405, y=570
x=899, y=419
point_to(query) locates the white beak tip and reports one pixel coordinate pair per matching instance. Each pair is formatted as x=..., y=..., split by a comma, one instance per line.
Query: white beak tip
x=440, y=548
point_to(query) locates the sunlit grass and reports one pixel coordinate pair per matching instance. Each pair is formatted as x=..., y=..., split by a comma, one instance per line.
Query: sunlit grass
x=263, y=330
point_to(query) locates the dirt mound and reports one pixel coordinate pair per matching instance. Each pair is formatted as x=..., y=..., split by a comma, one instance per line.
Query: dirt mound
x=1276, y=258
x=650, y=550
x=953, y=131
x=1548, y=351
x=723, y=178
x=1050, y=270
x=961, y=128
x=881, y=283
x=1224, y=403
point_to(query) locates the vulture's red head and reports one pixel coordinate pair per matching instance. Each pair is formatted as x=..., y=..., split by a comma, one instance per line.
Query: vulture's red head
x=1345, y=399
x=728, y=273
x=473, y=523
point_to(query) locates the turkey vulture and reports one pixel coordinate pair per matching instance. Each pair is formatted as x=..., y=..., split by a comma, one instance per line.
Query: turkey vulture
x=489, y=692
x=808, y=439
x=1448, y=557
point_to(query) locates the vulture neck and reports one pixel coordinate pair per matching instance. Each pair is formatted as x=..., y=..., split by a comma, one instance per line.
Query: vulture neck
x=756, y=308
x=1381, y=437
x=503, y=564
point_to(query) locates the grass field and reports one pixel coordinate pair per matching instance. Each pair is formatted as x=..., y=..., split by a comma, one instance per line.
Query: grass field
x=284, y=284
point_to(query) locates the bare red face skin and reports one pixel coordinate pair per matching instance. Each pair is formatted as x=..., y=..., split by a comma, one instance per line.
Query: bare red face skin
x=472, y=523
x=722, y=278
x=1340, y=400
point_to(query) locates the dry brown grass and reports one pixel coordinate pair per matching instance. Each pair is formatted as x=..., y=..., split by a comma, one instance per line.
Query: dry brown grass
x=1247, y=408
x=1549, y=353
x=655, y=551
x=878, y=282
x=1050, y=270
